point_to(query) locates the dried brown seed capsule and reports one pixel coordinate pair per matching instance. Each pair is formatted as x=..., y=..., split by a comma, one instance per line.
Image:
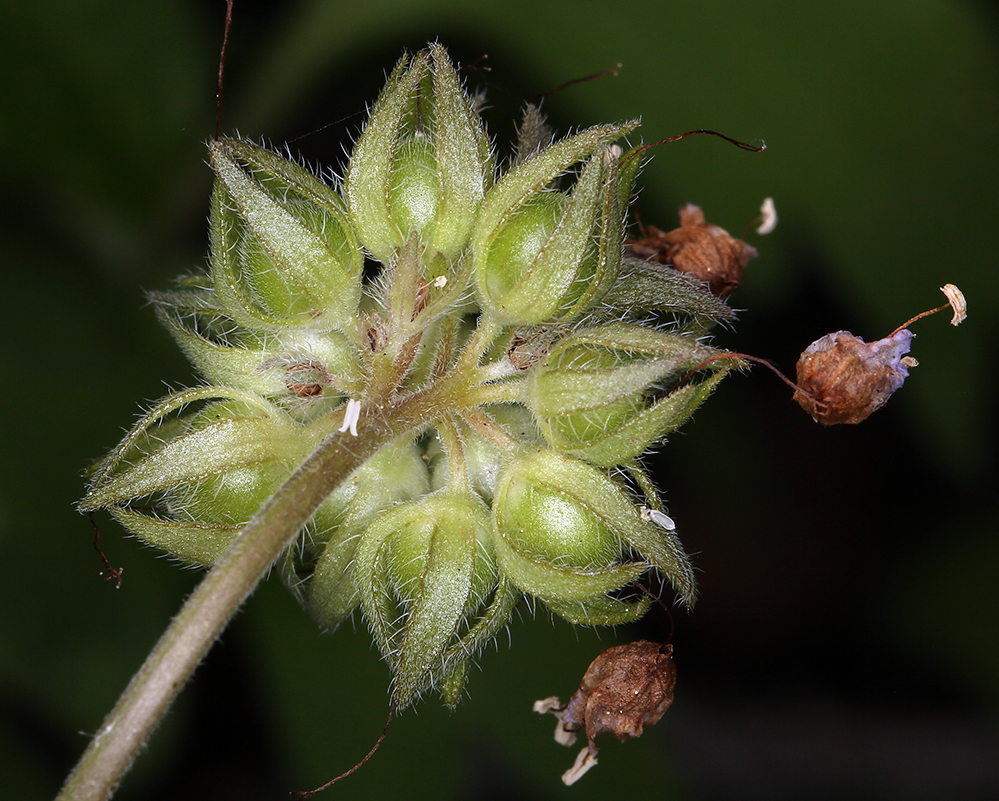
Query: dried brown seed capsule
x=698, y=249
x=843, y=379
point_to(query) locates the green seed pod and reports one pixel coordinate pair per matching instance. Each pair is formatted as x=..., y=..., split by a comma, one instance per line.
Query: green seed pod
x=204, y=474
x=591, y=392
x=283, y=249
x=422, y=162
x=563, y=532
x=231, y=497
x=423, y=570
x=539, y=255
x=321, y=574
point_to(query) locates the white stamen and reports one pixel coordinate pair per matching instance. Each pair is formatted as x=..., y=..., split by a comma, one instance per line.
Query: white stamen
x=350, y=417
x=769, y=214
x=955, y=297
x=584, y=761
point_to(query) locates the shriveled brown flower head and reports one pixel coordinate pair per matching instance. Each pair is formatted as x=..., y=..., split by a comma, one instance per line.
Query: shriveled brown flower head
x=698, y=249
x=625, y=688
x=843, y=379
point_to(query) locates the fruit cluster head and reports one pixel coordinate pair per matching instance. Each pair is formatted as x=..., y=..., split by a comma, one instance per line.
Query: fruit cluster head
x=521, y=362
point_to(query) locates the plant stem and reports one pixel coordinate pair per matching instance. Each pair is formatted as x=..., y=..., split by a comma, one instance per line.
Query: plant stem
x=207, y=612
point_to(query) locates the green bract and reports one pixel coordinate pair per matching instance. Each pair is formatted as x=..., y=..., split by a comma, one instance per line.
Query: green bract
x=591, y=393
x=494, y=413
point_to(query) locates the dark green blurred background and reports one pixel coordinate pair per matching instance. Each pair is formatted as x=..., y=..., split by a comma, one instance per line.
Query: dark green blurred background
x=845, y=642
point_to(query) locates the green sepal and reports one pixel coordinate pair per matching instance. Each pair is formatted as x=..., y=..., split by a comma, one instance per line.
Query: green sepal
x=600, y=611
x=552, y=536
x=191, y=542
x=631, y=438
x=155, y=427
x=453, y=683
x=610, y=231
x=589, y=392
x=283, y=250
x=422, y=162
x=220, y=364
x=230, y=497
x=535, y=173
x=368, y=183
x=381, y=609
x=664, y=550
x=533, y=251
x=629, y=165
x=533, y=134
x=542, y=509
x=495, y=617
x=645, y=287
x=659, y=546
x=231, y=443
x=418, y=563
x=544, y=252
x=607, y=503
x=268, y=371
x=442, y=599
x=464, y=159
x=395, y=475
x=548, y=580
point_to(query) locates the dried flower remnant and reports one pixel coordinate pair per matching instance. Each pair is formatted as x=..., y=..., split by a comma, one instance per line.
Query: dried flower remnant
x=842, y=379
x=625, y=688
x=699, y=250
x=955, y=299
x=768, y=217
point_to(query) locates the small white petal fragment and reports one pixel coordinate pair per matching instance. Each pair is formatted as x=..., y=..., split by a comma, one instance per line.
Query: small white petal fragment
x=659, y=518
x=584, y=761
x=955, y=297
x=768, y=213
x=546, y=705
x=350, y=417
x=440, y=281
x=562, y=735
